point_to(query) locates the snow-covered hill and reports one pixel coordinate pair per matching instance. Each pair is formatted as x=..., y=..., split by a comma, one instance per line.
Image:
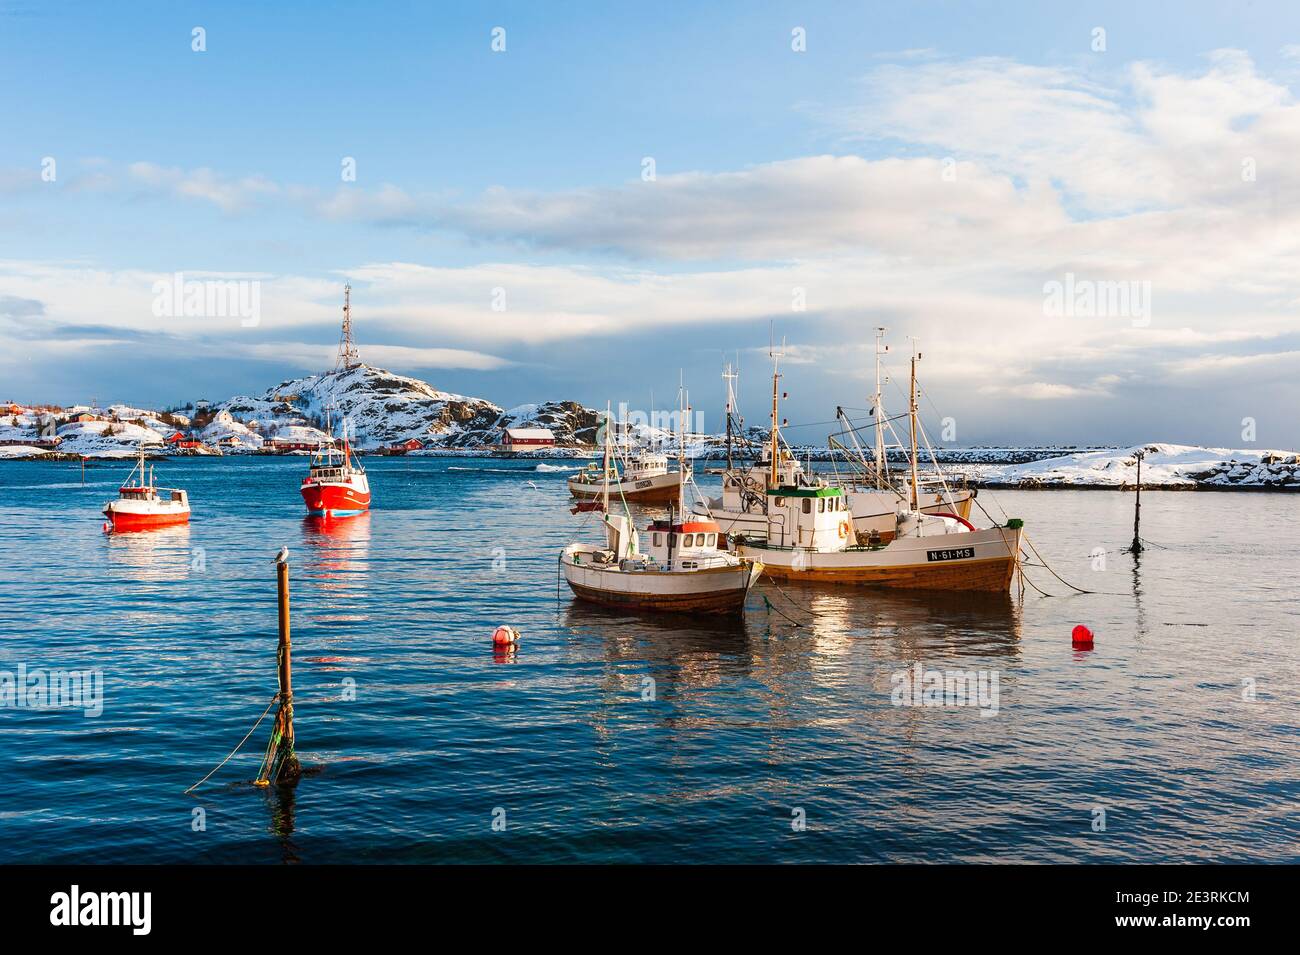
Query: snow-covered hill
x=378, y=408
x=1164, y=465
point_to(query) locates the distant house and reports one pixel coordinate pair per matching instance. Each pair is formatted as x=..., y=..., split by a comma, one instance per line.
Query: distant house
x=526, y=439
x=182, y=441
x=202, y=404
x=402, y=447
x=83, y=416
x=12, y=408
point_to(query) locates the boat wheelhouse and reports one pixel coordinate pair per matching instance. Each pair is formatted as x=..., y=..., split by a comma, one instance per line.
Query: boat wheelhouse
x=142, y=505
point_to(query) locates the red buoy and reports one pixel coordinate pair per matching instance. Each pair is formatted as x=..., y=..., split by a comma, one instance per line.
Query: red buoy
x=504, y=636
x=1081, y=638
x=108, y=528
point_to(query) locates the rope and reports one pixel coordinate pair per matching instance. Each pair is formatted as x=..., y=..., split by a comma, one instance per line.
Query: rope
x=237, y=748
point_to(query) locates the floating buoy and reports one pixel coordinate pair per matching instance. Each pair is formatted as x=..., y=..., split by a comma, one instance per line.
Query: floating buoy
x=108, y=527
x=504, y=636
x=1081, y=638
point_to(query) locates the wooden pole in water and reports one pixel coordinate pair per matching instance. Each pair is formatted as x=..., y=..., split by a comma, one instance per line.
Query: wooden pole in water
x=281, y=763
x=1136, y=547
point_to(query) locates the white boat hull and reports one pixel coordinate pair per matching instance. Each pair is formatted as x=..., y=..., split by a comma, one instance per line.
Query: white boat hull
x=975, y=560
x=709, y=590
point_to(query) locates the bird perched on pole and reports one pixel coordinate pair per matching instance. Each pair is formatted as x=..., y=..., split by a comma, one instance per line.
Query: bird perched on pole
x=283, y=556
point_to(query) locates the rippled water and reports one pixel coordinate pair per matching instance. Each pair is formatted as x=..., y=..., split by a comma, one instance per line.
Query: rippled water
x=750, y=722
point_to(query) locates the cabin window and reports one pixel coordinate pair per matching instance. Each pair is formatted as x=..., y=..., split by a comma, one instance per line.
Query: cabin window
x=713, y=540
x=807, y=505
x=689, y=541
x=821, y=505
x=659, y=540
x=780, y=502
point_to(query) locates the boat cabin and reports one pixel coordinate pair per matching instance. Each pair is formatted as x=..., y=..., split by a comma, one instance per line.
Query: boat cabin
x=684, y=546
x=814, y=518
x=328, y=463
x=646, y=464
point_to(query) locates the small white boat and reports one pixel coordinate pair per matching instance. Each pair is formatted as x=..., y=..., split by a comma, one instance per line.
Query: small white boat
x=645, y=479
x=685, y=569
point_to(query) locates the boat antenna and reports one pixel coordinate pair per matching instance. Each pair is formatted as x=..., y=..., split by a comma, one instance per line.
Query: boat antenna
x=916, y=356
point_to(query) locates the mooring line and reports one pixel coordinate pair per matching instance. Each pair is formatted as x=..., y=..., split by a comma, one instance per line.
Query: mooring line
x=237, y=748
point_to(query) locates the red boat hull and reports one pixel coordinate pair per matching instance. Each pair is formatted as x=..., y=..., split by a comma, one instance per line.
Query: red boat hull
x=123, y=521
x=335, y=500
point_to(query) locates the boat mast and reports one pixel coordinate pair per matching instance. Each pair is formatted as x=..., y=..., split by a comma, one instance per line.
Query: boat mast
x=606, y=498
x=912, y=414
x=774, y=475
x=879, y=413
x=729, y=377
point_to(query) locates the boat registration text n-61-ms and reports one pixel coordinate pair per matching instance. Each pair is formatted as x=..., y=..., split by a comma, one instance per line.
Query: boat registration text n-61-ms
x=957, y=553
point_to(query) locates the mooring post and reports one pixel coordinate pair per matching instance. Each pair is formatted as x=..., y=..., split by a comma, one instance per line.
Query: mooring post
x=1136, y=547
x=281, y=763
x=285, y=656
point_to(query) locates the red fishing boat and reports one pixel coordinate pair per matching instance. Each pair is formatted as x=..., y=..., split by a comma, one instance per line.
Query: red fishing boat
x=142, y=505
x=336, y=485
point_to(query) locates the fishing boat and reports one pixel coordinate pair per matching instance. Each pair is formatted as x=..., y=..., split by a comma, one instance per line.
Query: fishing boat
x=810, y=537
x=142, y=505
x=643, y=479
x=684, y=569
x=336, y=484
x=873, y=495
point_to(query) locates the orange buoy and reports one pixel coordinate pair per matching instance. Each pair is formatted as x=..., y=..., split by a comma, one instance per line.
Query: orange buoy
x=504, y=636
x=1081, y=638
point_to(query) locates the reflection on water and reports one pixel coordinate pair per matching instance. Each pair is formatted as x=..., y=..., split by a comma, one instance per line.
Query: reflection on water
x=162, y=553
x=335, y=559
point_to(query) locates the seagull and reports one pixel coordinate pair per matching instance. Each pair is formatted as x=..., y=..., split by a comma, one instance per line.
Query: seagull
x=283, y=556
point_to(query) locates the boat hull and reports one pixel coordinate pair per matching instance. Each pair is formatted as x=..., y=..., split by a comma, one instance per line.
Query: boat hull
x=980, y=560
x=134, y=520
x=659, y=489
x=335, y=500
x=719, y=590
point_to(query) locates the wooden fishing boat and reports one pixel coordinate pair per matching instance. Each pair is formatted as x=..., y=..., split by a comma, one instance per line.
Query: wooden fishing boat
x=810, y=539
x=143, y=505
x=685, y=568
x=810, y=536
x=645, y=479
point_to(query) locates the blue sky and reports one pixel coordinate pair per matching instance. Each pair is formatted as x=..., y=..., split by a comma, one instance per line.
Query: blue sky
x=775, y=170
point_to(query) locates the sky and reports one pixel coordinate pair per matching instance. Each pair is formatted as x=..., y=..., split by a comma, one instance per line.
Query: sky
x=1086, y=216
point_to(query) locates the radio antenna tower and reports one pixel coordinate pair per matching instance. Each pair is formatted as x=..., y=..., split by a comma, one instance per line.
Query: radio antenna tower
x=348, y=357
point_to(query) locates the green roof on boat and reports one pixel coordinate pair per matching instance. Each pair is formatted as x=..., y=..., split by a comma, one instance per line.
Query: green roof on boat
x=806, y=492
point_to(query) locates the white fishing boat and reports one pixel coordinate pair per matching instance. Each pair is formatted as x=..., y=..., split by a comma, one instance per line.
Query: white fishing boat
x=810, y=537
x=644, y=479
x=684, y=569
